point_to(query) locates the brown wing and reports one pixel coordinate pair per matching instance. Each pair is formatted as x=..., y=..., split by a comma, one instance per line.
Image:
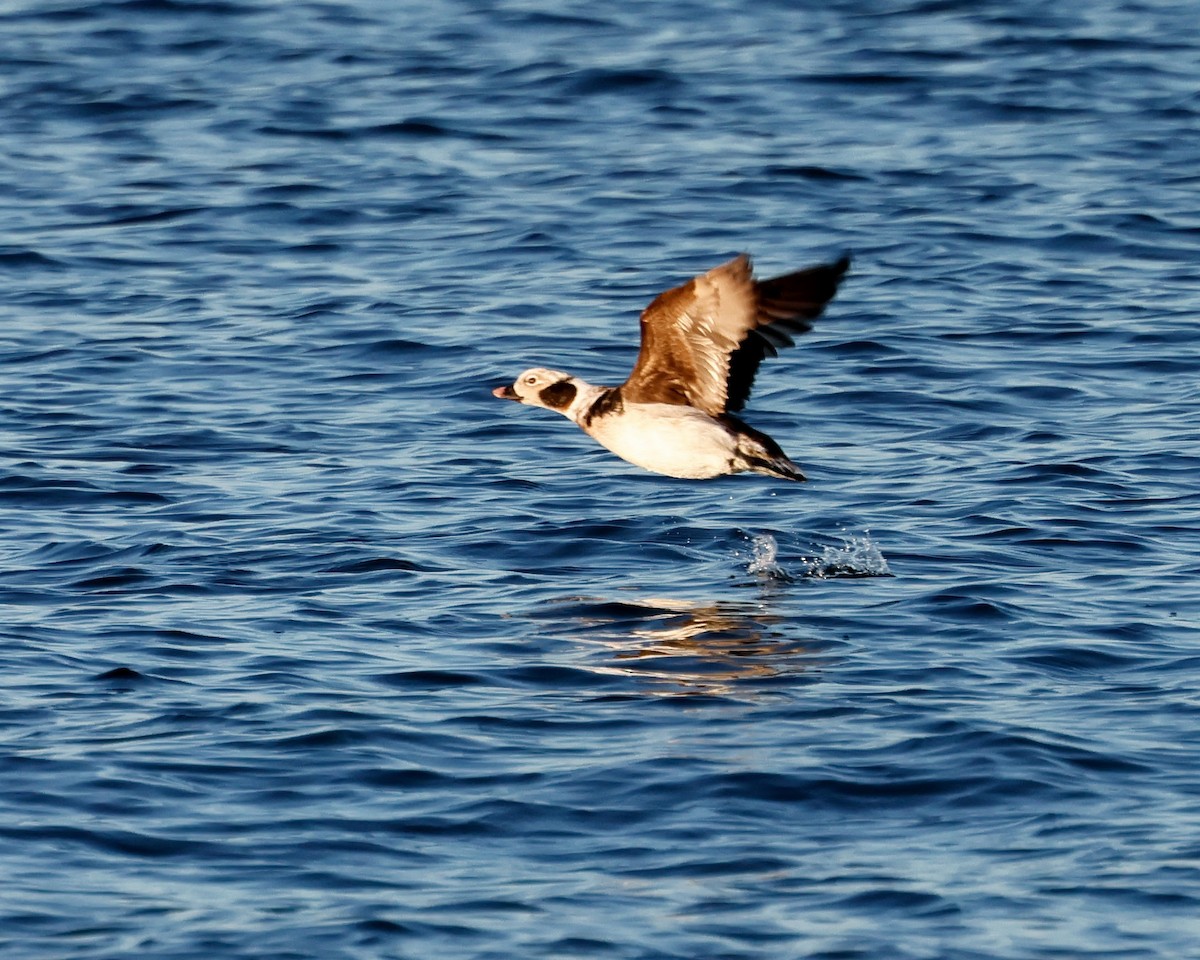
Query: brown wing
x=702, y=341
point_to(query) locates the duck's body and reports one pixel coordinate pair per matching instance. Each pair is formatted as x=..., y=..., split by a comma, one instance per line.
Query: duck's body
x=701, y=346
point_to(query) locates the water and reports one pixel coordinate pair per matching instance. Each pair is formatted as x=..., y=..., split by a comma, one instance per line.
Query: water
x=311, y=648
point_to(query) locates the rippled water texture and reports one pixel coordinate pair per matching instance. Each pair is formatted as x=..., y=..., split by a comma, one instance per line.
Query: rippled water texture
x=312, y=648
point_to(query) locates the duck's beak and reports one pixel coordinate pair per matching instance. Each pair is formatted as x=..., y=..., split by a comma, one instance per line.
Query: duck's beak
x=505, y=393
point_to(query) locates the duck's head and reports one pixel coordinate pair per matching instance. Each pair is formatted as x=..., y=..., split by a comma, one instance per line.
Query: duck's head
x=539, y=387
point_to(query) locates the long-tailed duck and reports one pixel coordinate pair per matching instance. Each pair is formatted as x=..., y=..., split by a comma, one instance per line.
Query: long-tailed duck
x=702, y=343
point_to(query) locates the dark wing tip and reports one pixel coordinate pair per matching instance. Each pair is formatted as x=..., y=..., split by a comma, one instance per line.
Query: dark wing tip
x=787, y=305
x=800, y=295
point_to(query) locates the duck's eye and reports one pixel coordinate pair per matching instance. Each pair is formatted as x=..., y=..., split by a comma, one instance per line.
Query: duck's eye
x=531, y=380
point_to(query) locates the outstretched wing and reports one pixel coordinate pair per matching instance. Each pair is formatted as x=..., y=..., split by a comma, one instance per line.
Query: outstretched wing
x=702, y=341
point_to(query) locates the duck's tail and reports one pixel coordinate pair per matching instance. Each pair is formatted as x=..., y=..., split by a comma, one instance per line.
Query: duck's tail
x=780, y=467
x=760, y=454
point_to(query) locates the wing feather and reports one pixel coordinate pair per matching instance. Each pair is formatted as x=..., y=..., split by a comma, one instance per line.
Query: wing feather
x=702, y=342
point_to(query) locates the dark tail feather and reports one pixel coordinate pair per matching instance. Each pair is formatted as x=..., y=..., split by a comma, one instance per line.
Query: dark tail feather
x=760, y=453
x=779, y=466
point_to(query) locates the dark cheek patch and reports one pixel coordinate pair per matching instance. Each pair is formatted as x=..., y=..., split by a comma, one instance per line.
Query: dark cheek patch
x=558, y=395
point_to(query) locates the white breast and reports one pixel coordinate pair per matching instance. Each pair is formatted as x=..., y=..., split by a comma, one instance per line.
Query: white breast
x=674, y=440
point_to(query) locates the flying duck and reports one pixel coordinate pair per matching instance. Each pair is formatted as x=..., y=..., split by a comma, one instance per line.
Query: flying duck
x=702, y=343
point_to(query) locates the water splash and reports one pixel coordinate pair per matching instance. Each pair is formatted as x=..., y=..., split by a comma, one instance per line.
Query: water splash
x=858, y=556
x=764, y=558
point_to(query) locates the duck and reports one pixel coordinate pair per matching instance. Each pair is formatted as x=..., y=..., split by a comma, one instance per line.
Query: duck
x=701, y=346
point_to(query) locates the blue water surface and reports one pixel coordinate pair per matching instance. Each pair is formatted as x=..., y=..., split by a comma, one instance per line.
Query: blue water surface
x=313, y=649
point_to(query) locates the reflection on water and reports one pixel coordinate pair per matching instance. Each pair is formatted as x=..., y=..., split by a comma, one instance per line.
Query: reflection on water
x=686, y=647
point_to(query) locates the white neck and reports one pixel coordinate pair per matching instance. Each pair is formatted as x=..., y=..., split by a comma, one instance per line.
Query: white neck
x=585, y=396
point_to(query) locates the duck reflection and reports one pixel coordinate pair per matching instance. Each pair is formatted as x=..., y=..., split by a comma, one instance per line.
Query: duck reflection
x=703, y=648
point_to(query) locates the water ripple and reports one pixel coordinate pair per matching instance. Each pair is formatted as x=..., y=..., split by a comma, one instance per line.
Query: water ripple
x=311, y=648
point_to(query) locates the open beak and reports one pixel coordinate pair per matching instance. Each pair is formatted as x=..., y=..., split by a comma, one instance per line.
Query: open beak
x=505, y=393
